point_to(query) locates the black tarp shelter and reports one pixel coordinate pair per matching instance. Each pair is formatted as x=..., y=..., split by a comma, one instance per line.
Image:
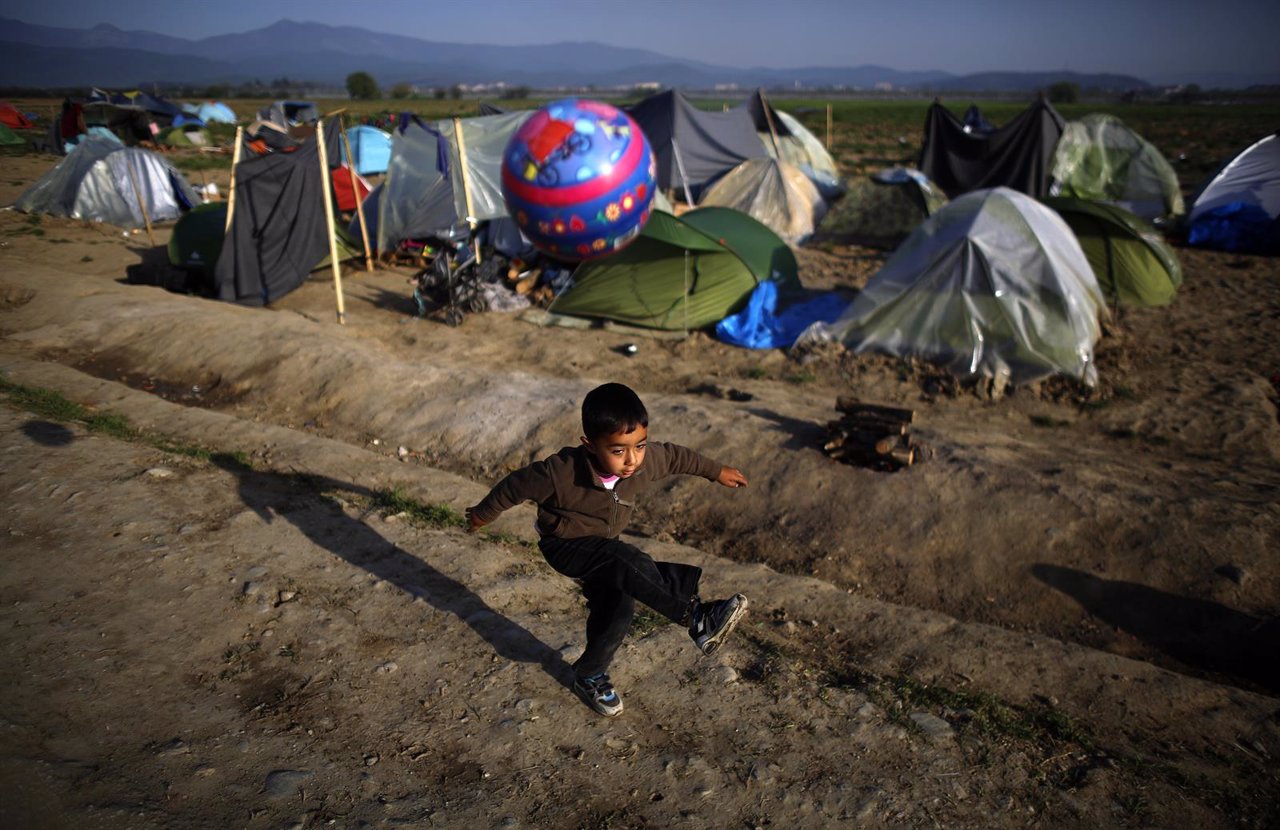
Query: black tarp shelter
x=278, y=230
x=1018, y=155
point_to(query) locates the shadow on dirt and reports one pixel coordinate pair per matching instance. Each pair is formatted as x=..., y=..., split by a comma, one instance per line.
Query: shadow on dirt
x=48, y=433
x=269, y=495
x=1201, y=634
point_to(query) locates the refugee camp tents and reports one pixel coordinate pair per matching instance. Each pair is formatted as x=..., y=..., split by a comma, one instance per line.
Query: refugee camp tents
x=692, y=147
x=775, y=193
x=8, y=138
x=279, y=231
x=681, y=273
x=100, y=181
x=343, y=194
x=785, y=138
x=1132, y=262
x=1100, y=158
x=13, y=119
x=1019, y=155
x=371, y=147
x=187, y=135
x=994, y=284
x=1239, y=208
x=881, y=210
x=426, y=192
x=215, y=111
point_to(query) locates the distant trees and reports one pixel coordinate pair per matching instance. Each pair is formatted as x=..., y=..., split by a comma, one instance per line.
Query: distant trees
x=515, y=93
x=1064, y=92
x=455, y=92
x=401, y=91
x=362, y=87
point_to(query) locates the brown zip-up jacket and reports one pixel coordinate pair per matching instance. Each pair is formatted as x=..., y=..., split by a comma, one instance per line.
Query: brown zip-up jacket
x=571, y=500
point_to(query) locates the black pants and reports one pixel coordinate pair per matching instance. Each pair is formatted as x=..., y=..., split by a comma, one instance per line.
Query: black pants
x=614, y=575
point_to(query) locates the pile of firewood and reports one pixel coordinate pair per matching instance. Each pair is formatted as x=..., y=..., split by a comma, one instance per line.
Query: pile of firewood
x=873, y=436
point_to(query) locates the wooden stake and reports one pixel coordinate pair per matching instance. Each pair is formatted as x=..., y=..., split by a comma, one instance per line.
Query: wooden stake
x=773, y=131
x=853, y=406
x=684, y=179
x=328, y=217
x=137, y=192
x=828, y=127
x=231, y=188
x=466, y=182
x=355, y=191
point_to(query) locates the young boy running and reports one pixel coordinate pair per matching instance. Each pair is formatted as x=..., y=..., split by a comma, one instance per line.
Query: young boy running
x=585, y=496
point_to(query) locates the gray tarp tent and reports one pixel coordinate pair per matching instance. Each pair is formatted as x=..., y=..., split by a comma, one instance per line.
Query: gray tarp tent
x=424, y=191
x=705, y=144
x=795, y=143
x=1018, y=155
x=96, y=182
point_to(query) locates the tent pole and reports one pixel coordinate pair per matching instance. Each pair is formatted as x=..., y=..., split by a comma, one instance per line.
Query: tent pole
x=328, y=217
x=137, y=192
x=231, y=188
x=684, y=179
x=768, y=117
x=466, y=182
x=355, y=191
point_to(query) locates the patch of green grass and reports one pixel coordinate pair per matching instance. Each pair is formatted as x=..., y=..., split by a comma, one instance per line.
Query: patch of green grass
x=1049, y=421
x=802, y=377
x=756, y=373
x=86, y=258
x=646, y=622
x=391, y=502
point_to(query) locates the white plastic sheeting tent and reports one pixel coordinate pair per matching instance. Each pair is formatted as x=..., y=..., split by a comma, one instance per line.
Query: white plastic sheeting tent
x=775, y=193
x=1239, y=209
x=428, y=188
x=1101, y=159
x=994, y=284
x=96, y=182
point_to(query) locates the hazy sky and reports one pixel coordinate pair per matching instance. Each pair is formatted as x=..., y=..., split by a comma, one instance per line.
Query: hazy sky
x=1147, y=38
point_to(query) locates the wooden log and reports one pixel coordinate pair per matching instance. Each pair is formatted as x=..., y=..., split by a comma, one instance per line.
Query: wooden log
x=355, y=191
x=853, y=406
x=872, y=422
x=231, y=188
x=142, y=202
x=328, y=215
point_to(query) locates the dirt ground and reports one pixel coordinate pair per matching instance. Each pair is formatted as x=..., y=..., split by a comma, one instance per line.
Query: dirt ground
x=1067, y=616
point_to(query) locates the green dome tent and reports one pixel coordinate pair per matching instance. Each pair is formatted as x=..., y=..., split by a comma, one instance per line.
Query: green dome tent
x=682, y=273
x=1100, y=158
x=994, y=284
x=1133, y=264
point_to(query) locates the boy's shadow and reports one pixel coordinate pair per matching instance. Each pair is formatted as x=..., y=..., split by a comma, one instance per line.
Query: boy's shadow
x=269, y=495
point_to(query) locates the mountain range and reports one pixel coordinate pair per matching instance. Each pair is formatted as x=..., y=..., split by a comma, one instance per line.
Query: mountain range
x=47, y=57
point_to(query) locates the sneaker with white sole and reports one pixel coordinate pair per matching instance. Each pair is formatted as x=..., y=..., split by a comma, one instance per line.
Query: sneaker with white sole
x=712, y=622
x=598, y=693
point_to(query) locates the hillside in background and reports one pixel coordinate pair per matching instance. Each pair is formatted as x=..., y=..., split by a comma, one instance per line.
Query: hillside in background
x=42, y=56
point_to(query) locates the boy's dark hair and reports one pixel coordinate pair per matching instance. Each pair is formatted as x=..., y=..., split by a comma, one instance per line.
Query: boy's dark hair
x=612, y=408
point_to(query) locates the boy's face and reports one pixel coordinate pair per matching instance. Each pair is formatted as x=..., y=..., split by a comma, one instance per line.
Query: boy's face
x=619, y=453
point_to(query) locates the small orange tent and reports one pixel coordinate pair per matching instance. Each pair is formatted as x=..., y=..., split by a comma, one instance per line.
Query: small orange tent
x=14, y=120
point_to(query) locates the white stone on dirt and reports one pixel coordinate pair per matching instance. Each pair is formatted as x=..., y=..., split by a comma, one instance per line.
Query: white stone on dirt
x=160, y=472
x=387, y=668
x=932, y=725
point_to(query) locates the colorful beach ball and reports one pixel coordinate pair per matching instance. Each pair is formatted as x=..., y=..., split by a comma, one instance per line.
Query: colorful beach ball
x=578, y=177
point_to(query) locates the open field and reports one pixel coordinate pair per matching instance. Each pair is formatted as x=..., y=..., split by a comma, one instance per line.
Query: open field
x=1081, y=586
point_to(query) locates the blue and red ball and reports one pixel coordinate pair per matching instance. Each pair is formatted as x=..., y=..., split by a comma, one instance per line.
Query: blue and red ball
x=578, y=177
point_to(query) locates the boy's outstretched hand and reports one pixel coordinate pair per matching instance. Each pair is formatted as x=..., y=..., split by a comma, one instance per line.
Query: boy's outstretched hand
x=731, y=477
x=473, y=523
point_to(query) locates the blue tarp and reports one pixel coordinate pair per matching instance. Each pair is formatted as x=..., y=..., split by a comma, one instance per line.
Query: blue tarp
x=761, y=326
x=1239, y=227
x=371, y=147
